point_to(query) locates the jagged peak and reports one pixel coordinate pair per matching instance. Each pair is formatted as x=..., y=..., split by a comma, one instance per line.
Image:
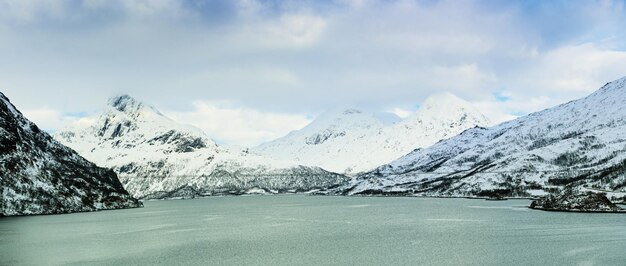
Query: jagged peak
x=127, y=104
x=5, y=100
x=123, y=102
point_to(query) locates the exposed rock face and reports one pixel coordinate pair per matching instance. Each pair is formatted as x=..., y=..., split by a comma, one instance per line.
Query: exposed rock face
x=623, y=200
x=156, y=157
x=38, y=175
x=576, y=200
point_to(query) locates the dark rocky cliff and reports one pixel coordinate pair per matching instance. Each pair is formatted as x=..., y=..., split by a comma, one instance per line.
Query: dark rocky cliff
x=38, y=175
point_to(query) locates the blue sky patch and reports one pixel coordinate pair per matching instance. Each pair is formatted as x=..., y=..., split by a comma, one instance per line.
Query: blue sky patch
x=501, y=97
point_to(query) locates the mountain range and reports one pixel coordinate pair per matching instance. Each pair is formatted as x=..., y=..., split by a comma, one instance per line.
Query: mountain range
x=156, y=157
x=579, y=144
x=448, y=151
x=351, y=141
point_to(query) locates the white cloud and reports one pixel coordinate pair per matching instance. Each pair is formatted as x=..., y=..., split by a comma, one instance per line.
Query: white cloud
x=32, y=10
x=496, y=112
x=466, y=76
x=228, y=123
x=247, y=8
x=298, y=29
x=499, y=112
x=140, y=8
x=48, y=119
x=357, y=4
x=267, y=77
x=577, y=68
x=288, y=31
x=287, y=58
x=401, y=112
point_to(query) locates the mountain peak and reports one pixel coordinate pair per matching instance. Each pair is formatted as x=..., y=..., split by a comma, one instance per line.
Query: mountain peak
x=447, y=108
x=124, y=102
x=129, y=105
x=4, y=99
x=351, y=111
x=340, y=112
x=584, y=134
x=444, y=99
x=5, y=103
x=344, y=118
x=446, y=103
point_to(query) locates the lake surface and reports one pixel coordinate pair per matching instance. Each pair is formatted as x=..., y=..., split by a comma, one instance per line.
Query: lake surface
x=287, y=230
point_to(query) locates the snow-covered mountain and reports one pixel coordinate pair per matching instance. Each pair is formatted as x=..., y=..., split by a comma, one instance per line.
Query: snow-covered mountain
x=351, y=141
x=581, y=144
x=38, y=175
x=157, y=157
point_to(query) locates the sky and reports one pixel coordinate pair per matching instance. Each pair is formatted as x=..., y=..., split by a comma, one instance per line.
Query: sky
x=248, y=71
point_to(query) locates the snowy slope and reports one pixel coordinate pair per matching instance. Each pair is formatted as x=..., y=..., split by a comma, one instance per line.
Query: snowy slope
x=351, y=141
x=40, y=176
x=581, y=143
x=157, y=157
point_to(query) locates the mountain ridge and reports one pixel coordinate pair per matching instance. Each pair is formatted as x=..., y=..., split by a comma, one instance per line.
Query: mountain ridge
x=579, y=143
x=38, y=175
x=157, y=157
x=352, y=141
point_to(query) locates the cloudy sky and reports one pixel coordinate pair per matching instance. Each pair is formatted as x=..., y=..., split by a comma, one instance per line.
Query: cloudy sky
x=247, y=71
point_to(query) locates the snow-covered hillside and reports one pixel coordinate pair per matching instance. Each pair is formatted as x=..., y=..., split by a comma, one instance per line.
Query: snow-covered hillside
x=157, y=157
x=581, y=143
x=351, y=141
x=38, y=175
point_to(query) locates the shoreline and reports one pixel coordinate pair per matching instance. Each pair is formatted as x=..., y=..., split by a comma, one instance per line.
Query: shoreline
x=576, y=211
x=72, y=212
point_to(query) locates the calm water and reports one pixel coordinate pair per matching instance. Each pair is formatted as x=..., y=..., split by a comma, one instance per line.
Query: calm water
x=271, y=230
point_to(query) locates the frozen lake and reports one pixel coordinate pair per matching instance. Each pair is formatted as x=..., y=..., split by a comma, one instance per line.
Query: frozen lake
x=287, y=230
